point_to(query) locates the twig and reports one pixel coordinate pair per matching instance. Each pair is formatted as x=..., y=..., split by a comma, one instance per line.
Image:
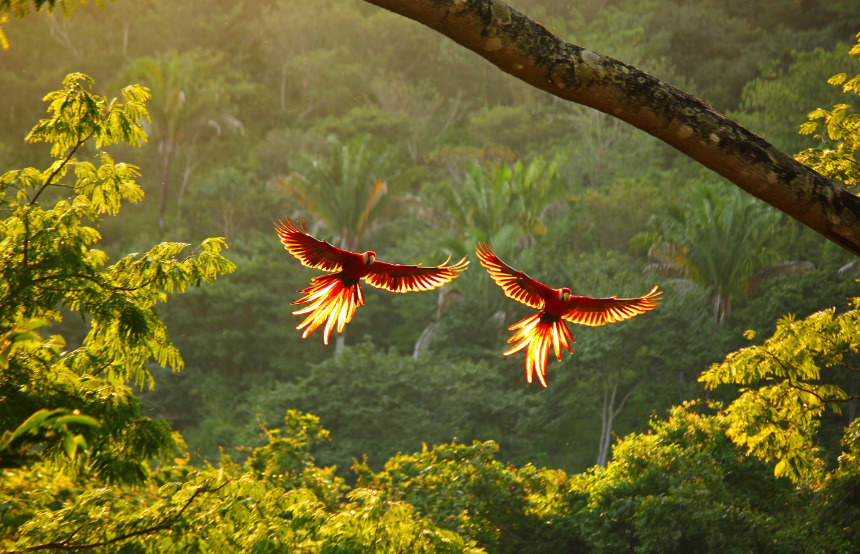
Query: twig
x=165, y=525
x=71, y=153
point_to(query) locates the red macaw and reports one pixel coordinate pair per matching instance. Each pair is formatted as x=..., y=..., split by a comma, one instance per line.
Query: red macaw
x=556, y=306
x=334, y=298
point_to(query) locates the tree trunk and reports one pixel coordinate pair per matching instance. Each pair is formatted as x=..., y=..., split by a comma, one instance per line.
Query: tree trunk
x=526, y=50
x=608, y=413
x=606, y=417
x=167, y=155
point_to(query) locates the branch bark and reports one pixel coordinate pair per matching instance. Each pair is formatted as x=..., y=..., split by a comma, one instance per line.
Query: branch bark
x=528, y=51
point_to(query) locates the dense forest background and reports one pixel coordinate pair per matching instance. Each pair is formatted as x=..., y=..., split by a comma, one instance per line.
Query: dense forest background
x=270, y=109
x=382, y=135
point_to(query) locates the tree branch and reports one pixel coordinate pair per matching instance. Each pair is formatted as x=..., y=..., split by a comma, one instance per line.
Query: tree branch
x=526, y=50
x=53, y=174
x=67, y=276
x=165, y=525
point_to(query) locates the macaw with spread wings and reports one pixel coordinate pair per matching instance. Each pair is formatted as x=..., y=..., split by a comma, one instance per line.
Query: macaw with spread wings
x=557, y=306
x=333, y=298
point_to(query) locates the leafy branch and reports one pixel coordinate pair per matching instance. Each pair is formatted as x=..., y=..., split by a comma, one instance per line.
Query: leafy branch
x=778, y=420
x=166, y=524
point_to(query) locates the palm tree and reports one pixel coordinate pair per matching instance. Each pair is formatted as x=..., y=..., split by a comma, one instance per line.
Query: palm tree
x=192, y=103
x=345, y=192
x=723, y=244
x=491, y=198
x=505, y=204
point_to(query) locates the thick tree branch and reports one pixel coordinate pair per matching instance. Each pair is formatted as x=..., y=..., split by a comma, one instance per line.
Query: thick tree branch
x=526, y=50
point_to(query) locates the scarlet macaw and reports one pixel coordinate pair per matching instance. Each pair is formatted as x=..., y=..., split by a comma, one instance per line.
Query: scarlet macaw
x=333, y=298
x=556, y=306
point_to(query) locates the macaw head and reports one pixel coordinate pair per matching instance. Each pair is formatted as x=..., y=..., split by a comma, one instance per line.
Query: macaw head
x=564, y=294
x=368, y=257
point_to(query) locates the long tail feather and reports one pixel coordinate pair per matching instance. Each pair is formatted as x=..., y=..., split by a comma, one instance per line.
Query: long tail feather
x=331, y=300
x=538, y=332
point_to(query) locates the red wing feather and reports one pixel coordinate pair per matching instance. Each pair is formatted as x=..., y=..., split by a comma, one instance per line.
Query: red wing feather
x=594, y=312
x=515, y=284
x=410, y=278
x=331, y=301
x=538, y=334
x=313, y=253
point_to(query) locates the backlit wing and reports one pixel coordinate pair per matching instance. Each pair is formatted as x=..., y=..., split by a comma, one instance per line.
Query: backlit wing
x=537, y=334
x=594, y=312
x=515, y=284
x=313, y=253
x=410, y=278
x=331, y=301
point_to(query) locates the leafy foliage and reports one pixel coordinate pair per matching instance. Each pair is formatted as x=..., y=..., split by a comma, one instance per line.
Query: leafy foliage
x=269, y=505
x=492, y=197
x=463, y=488
x=778, y=421
x=785, y=94
x=377, y=404
x=839, y=129
x=346, y=189
x=20, y=8
x=684, y=486
x=718, y=243
x=561, y=191
x=839, y=508
x=78, y=397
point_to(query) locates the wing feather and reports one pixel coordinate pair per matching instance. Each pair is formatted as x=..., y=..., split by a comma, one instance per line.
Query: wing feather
x=313, y=253
x=515, y=284
x=595, y=312
x=411, y=278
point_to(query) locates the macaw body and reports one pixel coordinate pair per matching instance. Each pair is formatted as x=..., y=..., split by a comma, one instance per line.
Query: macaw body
x=557, y=307
x=333, y=298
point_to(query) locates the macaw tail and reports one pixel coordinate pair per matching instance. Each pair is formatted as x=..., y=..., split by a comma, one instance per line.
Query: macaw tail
x=332, y=299
x=538, y=332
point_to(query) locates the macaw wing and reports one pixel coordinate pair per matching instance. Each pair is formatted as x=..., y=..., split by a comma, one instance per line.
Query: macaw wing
x=515, y=284
x=594, y=312
x=313, y=253
x=410, y=278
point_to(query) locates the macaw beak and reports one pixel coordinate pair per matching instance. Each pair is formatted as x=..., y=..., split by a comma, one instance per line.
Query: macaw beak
x=564, y=295
x=369, y=257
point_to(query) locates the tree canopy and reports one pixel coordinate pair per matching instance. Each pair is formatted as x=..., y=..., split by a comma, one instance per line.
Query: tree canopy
x=155, y=394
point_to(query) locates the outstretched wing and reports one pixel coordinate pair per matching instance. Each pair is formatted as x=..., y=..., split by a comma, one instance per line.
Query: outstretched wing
x=594, y=312
x=515, y=284
x=313, y=253
x=410, y=278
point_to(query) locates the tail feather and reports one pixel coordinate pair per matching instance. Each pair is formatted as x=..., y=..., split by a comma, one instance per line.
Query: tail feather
x=538, y=332
x=332, y=301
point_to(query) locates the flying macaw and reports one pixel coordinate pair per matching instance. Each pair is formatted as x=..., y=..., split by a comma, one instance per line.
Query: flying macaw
x=333, y=298
x=557, y=306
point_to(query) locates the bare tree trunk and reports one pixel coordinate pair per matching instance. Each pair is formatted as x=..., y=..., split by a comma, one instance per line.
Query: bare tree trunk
x=427, y=336
x=526, y=50
x=186, y=174
x=125, y=27
x=283, y=92
x=608, y=413
x=606, y=417
x=167, y=155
